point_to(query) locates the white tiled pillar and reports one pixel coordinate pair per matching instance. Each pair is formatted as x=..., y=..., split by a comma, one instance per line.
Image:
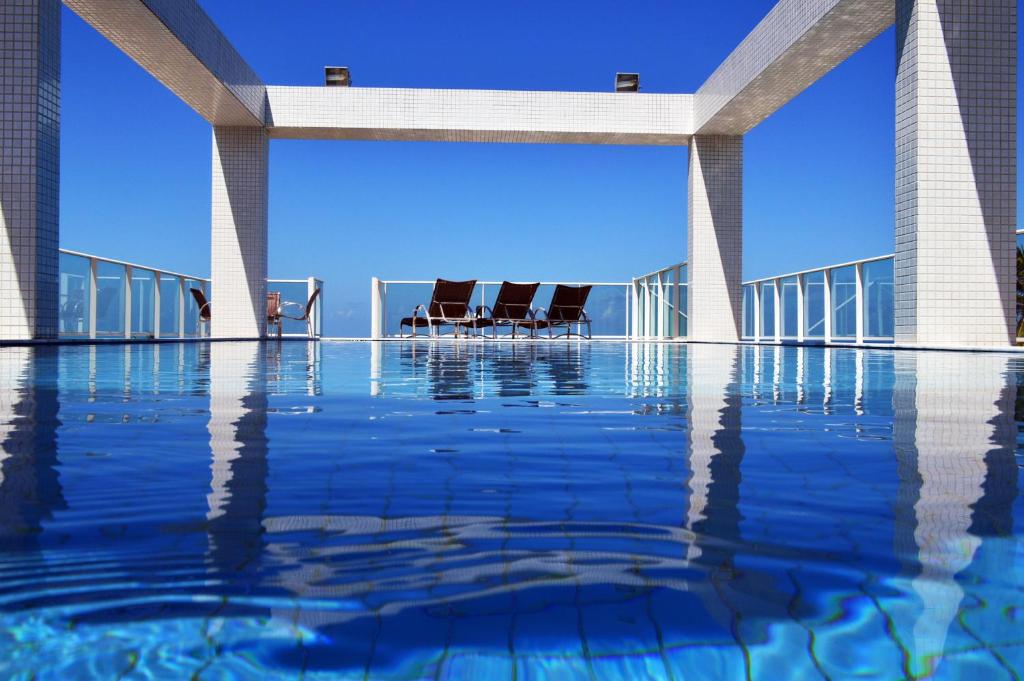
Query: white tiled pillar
x=238, y=264
x=956, y=171
x=29, y=167
x=715, y=240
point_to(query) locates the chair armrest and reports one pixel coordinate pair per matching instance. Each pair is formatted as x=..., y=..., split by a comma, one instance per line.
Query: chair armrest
x=584, y=317
x=534, y=312
x=281, y=308
x=480, y=309
x=426, y=313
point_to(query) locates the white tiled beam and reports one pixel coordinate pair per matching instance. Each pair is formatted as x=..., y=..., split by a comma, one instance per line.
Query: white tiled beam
x=715, y=235
x=479, y=115
x=180, y=46
x=238, y=238
x=956, y=172
x=29, y=167
x=795, y=45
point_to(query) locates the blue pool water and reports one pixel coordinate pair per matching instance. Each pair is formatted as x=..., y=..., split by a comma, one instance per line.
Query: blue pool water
x=434, y=510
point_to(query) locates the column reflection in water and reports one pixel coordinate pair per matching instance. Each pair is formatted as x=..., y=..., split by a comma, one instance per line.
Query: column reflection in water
x=30, y=489
x=742, y=600
x=238, y=446
x=958, y=479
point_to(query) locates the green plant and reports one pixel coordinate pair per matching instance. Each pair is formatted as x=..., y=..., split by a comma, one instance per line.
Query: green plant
x=1020, y=292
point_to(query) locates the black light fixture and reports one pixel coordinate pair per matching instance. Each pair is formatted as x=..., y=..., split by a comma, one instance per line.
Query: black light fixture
x=337, y=76
x=627, y=82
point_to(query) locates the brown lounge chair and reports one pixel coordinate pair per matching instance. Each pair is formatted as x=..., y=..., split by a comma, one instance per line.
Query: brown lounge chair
x=449, y=305
x=274, y=311
x=204, y=308
x=511, y=308
x=566, y=309
x=307, y=315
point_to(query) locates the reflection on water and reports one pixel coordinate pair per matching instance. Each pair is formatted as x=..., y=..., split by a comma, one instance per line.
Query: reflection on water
x=508, y=510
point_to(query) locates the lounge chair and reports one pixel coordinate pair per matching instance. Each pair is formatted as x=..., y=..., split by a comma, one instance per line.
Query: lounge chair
x=566, y=309
x=274, y=310
x=449, y=305
x=511, y=308
x=307, y=315
x=204, y=308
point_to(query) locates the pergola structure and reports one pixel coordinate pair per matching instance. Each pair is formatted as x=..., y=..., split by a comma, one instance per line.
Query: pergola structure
x=956, y=161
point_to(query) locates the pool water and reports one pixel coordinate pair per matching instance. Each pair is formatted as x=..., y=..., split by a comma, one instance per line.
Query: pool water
x=438, y=510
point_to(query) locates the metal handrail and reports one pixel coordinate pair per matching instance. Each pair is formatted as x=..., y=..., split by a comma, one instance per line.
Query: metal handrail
x=824, y=268
x=498, y=283
x=134, y=266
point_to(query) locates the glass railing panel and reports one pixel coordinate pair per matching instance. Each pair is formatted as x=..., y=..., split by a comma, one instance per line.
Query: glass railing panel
x=768, y=310
x=641, y=308
x=748, y=311
x=607, y=309
x=879, y=316
x=110, y=288
x=170, y=290
x=667, y=309
x=844, y=303
x=143, y=303
x=814, y=305
x=684, y=310
x=74, y=295
x=790, y=313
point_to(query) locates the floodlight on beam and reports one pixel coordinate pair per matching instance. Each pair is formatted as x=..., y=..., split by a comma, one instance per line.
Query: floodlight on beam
x=337, y=76
x=627, y=82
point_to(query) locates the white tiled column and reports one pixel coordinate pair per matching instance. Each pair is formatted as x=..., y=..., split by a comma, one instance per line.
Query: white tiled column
x=238, y=264
x=29, y=167
x=715, y=239
x=956, y=171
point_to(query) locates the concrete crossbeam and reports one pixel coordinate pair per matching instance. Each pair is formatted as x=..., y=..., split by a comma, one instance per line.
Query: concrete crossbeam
x=180, y=46
x=795, y=45
x=478, y=115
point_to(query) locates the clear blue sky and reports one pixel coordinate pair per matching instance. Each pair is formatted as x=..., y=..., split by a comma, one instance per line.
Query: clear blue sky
x=135, y=176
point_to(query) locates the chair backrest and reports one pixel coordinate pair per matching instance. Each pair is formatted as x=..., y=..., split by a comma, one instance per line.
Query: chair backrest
x=514, y=300
x=273, y=304
x=451, y=298
x=312, y=301
x=204, y=305
x=567, y=303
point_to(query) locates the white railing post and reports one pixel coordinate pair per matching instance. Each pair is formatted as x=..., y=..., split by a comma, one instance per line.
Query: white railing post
x=376, y=309
x=156, y=304
x=314, y=316
x=828, y=305
x=757, y=312
x=778, y=310
x=677, y=311
x=635, y=320
x=181, y=307
x=859, y=305
x=127, y=301
x=93, y=297
x=801, y=282
x=629, y=318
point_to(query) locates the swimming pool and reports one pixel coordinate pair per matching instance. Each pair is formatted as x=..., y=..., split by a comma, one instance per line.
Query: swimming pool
x=509, y=510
